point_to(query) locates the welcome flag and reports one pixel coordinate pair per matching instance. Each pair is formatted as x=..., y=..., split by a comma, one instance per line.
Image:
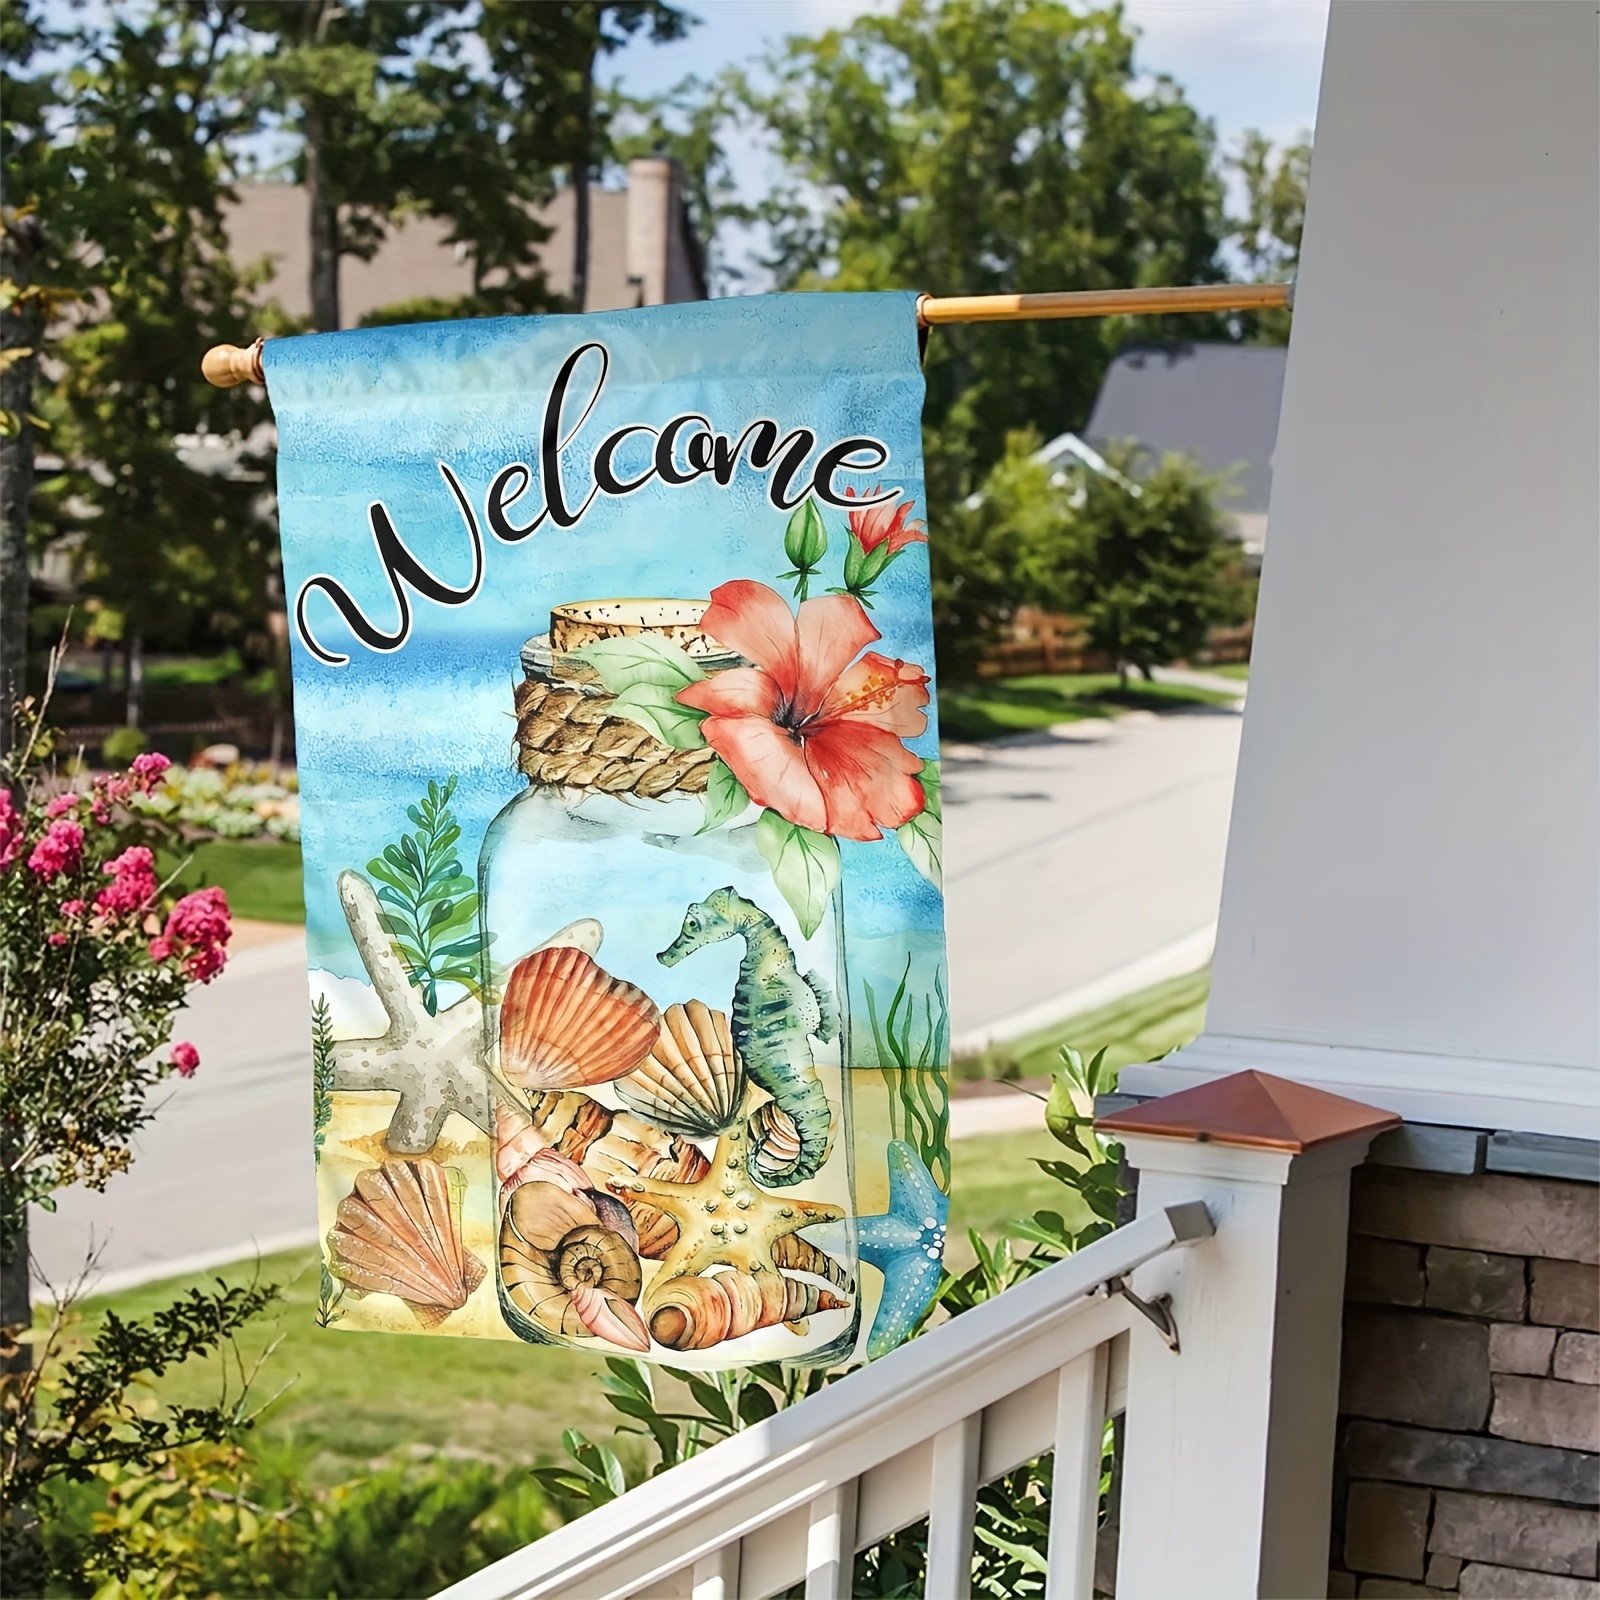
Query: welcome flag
x=619, y=772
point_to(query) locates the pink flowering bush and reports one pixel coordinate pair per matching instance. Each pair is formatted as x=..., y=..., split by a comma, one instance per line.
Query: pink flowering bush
x=96, y=956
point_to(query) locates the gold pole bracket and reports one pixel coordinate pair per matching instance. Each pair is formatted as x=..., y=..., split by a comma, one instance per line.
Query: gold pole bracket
x=226, y=366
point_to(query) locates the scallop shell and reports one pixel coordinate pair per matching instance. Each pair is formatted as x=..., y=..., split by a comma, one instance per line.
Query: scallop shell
x=566, y=1270
x=692, y=1082
x=566, y=1022
x=695, y=1313
x=399, y=1232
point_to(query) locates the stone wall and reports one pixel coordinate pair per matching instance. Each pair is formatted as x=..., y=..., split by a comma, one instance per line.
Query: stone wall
x=1469, y=1439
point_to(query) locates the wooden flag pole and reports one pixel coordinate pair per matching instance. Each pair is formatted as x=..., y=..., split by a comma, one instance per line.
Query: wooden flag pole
x=227, y=366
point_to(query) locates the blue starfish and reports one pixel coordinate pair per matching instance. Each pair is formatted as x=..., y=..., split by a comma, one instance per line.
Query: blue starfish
x=906, y=1245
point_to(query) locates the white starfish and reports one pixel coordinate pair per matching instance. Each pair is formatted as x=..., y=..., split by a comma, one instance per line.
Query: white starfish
x=434, y=1063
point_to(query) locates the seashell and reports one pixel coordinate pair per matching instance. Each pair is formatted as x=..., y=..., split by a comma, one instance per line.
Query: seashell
x=692, y=1082
x=570, y=1122
x=566, y=1271
x=775, y=1143
x=566, y=1022
x=798, y=1255
x=695, y=1313
x=683, y=1163
x=399, y=1232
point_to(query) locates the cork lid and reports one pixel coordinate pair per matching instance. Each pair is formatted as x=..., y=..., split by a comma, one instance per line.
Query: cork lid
x=1254, y=1110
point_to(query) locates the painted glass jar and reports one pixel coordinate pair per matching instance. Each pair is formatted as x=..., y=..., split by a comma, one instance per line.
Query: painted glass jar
x=665, y=1039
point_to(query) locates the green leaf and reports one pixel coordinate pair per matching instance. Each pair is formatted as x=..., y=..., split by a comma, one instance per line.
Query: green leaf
x=805, y=866
x=922, y=839
x=931, y=787
x=653, y=707
x=1061, y=1114
x=725, y=796
x=641, y=660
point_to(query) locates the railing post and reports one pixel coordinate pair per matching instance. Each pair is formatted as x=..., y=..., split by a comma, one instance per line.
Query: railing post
x=1227, y=1477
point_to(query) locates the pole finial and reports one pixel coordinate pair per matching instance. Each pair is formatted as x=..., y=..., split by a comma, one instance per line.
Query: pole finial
x=226, y=366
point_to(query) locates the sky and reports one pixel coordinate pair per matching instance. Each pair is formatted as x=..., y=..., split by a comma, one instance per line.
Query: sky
x=1243, y=63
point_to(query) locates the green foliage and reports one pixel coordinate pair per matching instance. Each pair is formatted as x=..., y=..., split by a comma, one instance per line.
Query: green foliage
x=321, y=1072
x=1146, y=565
x=922, y=838
x=430, y=906
x=1274, y=181
x=912, y=1052
x=79, y=1413
x=805, y=543
x=121, y=745
x=978, y=146
x=646, y=675
x=805, y=866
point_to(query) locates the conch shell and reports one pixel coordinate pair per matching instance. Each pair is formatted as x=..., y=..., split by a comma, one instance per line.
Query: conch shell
x=569, y=1267
x=692, y=1082
x=694, y=1313
x=795, y=1254
x=566, y=1022
x=399, y=1232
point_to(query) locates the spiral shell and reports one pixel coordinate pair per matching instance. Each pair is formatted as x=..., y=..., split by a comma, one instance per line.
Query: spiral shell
x=566, y=1022
x=695, y=1313
x=692, y=1081
x=775, y=1144
x=567, y=1270
x=795, y=1254
x=399, y=1232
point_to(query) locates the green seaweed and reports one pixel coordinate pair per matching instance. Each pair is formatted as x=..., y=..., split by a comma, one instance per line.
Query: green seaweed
x=321, y=1072
x=430, y=906
x=913, y=1054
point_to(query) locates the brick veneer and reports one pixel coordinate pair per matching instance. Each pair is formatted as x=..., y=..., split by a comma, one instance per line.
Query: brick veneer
x=1469, y=1439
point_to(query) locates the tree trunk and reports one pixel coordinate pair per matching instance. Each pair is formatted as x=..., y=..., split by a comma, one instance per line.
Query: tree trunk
x=133, y=676
x=580, y=191
x=324, y=233
x=21, y=328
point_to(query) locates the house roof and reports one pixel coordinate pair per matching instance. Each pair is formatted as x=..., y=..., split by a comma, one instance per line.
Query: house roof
x=1216, y=402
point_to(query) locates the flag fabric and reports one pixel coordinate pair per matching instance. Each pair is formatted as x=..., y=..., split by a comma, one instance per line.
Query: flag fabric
x=615, y=722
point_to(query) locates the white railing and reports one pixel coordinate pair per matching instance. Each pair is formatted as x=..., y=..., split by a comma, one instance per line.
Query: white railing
x=913, y=1435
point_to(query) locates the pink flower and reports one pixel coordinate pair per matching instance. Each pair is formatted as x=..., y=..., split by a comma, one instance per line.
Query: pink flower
x=200, y=926
x=57, y=939
x=885, y=523
x=61, y=805
x=810, y=731
x=74, y=908
x=147, y=770
x=160, y=949
x=133, y=882
x=185, y=1058
x=59, y=852
x=11, y=830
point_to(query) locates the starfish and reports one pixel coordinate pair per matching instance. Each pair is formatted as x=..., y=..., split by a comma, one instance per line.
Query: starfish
x=435, y=1064
x=906, y=1244
x=725, y=1219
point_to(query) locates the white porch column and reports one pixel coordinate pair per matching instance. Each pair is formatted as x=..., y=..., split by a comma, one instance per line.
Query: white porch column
x=1227, y=1476
x=1411, y=906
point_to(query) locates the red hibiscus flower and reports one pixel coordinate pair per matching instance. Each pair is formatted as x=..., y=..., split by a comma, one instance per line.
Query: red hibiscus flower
x=885, y=524
x=809, y=730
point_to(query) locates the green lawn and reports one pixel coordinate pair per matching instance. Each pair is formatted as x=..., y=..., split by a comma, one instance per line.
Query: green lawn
x=998, y=706
x=262, y=877
x=1141, y=1027
x=192, y=671
x=1232, y=669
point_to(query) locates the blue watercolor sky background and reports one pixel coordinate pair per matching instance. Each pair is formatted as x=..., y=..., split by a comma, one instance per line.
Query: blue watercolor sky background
x=367, y=415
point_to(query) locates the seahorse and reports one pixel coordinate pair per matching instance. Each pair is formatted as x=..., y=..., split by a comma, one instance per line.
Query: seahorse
x=776, y=1012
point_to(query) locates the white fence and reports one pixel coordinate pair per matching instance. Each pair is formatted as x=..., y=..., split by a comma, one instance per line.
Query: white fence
x=1040, y=1368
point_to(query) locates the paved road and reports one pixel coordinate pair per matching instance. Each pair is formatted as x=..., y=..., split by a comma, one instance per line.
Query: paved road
x=1077, y=863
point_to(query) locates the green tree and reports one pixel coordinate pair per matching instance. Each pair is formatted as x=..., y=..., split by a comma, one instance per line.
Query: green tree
x=1144, y=562
x=151, y=125
x=979, y=146
x=1274, y=180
